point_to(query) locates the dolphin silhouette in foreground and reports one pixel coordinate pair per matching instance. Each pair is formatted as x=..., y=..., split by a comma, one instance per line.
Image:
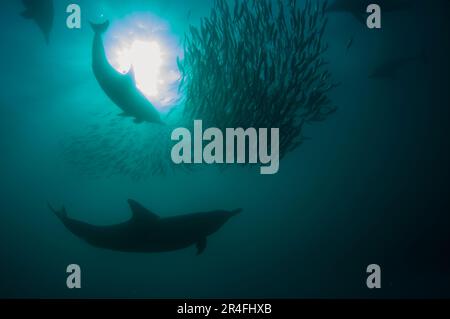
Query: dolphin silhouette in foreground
x=42, y=13
x=120, y=88
x=146, y=232
x=358, y=8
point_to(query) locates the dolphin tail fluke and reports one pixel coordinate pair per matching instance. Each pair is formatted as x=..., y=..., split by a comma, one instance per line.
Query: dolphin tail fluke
x=201, y=246
x=101, y=27
x=61, y=214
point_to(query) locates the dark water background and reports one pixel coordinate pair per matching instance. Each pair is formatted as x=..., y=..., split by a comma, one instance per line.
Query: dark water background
x=371, y=186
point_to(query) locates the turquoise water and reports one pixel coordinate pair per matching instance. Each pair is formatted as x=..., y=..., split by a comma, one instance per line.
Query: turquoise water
x=370, y=186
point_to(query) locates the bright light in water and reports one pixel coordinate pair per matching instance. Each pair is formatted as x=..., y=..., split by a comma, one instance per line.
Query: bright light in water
x=141, y=43
x=145, y=60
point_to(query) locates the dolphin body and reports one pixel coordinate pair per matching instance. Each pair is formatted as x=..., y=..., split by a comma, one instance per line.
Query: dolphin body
x=120, y=88
x=42, y=13
x=357, y=8
x=146, y=232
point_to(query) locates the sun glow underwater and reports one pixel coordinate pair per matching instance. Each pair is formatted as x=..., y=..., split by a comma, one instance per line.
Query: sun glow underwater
x=200, y=74
x=143, y=43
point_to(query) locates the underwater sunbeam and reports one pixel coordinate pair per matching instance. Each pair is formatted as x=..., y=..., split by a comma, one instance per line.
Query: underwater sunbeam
x=146, y=60
x=142, y=43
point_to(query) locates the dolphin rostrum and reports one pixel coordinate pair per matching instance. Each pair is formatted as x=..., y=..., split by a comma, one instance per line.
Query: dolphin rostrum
x=42, y=13
x=120, y=88
x=146, y=232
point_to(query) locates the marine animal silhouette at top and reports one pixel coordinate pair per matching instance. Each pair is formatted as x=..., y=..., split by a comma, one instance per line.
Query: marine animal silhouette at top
x=42, y=13
x=120, y=88
x=146, y=232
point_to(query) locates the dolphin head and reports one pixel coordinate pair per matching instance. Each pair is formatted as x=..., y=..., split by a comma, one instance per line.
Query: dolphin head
x=214, y=220
x=235, y=212
x=225, y=215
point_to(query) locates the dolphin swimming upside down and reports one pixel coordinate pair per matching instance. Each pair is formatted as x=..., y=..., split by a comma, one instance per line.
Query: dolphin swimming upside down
x=120, y=88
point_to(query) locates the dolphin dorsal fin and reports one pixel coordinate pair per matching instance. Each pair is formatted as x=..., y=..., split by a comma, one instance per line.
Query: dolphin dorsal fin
x=141, y=213
x=131, y=75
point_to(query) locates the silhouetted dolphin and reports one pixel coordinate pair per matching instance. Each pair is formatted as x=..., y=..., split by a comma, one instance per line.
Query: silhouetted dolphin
x=42, y=13
x=358, y=8
x=120, y=88
x=146, y=232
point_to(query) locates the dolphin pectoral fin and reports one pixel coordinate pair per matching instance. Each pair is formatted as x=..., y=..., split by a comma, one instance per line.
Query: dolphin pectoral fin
x=131, y=75
x=201, y=246
x=141, y=213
